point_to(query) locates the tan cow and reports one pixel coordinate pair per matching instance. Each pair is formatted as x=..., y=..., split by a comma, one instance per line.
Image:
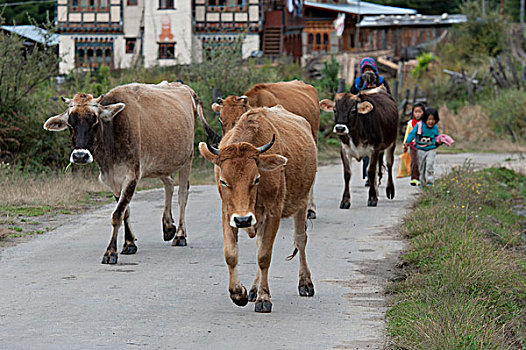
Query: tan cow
x=257, y=189
x=135, y=131
x=295, y=96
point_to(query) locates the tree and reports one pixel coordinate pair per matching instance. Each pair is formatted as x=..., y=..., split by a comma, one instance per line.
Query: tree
x=22, y=14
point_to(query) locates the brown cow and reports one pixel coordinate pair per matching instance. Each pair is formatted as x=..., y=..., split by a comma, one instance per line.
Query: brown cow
x=257, y=190
x=295, y=96
x=135, y=131
x=367, y=125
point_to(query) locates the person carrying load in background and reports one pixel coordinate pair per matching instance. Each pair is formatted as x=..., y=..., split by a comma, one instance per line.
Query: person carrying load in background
x=368, y=79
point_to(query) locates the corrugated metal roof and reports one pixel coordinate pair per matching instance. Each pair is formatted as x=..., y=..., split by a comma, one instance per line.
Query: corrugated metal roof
x=411, y=20
x=33, y=33
x=361, y=8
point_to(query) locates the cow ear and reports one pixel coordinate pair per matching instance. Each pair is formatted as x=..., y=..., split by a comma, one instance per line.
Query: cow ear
x=216, y=107
x=108, y=112
x=365, y=107
x=205, y=152
x=57, y=123
x=269, y=162
x=327, y=105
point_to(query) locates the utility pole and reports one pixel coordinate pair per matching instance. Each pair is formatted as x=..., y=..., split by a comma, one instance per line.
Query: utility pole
x=357, y=41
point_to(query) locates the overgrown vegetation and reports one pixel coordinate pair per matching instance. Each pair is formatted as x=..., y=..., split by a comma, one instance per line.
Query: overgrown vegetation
x=465, y=285
x=469, y=48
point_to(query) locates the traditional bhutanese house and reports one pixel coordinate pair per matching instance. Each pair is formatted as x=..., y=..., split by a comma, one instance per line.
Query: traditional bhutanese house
x=271, y=26
x=118, y=33
x=406, y=35
x=319, y=35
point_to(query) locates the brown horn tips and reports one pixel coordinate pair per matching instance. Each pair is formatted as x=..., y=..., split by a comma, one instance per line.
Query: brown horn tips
x=266, y=147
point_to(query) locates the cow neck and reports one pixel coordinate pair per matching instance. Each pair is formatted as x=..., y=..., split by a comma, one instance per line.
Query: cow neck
x=104, y=145
x=357, y=129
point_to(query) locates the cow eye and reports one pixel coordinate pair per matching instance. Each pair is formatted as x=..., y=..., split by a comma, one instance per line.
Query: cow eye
x=256, y=181
x=223, y=182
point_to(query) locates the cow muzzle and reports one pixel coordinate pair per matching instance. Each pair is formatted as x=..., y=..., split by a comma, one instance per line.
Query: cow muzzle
x=242, y=221
x=81, y=156
x=340, y=129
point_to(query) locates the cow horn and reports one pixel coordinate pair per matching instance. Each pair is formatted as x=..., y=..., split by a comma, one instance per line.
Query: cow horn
x=266, y=147
x=244, y=98
x=212, y=148
x=219, y=101
x=98, y=99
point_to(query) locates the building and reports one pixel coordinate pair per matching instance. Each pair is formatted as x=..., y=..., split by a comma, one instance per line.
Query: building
x=405, y=35
x=272, y=27
x=119, y=33
x=319, y=35
x=33, y=35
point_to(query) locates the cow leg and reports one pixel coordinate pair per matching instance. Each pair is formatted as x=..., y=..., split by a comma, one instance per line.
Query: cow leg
x=271, y=226
x=110, y=257
x=373, y=188
x=252, y=295
x=390, y=189
x=169, y=228
x=305, y=286
x=380, y=167
x=311, y=212
x=182, y=197
x=346, y=160
x=238, y=293
x=129, y=246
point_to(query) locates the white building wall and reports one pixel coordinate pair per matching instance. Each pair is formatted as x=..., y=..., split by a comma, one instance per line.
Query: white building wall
x=251, y=43
x=168, y=26
x=66, y=50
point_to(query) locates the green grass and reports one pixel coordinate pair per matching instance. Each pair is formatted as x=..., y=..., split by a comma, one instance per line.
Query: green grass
x=465, y=274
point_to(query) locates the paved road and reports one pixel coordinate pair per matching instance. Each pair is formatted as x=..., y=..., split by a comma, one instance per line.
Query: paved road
x=55, y=294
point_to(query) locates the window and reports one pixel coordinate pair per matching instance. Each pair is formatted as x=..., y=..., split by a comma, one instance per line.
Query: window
x=166, y=4
x=167, y=50
x=89, y=5
x=93, y=53
x=132, y=2
x=226, y=5
x=130, y=45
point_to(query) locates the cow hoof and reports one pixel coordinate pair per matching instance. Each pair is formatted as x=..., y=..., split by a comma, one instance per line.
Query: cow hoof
x=240, y=299
x=311, y=214
x=372, y=203
x=179, y=242
x=390, y=191
x=306, y=289
x=263, y=306
x=252, y=295
x=129, y=249
x=345, y=204
x=169, y=233
x=109, y=258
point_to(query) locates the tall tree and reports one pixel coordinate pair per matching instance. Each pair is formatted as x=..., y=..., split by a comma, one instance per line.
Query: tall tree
x=21, y=10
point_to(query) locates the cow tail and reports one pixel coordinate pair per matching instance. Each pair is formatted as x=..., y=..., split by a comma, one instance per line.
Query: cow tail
x=291, y=256
x=212, y=137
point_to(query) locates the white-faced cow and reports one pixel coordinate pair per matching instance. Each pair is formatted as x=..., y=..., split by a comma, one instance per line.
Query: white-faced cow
x=264, y=168
x=295, y=96
x=135, y=131
x=367, y=125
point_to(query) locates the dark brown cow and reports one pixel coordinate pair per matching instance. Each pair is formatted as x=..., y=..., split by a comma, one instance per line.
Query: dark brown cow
x=135, y=131
x=367, y=125
x=257, y=189
x=295, y=96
